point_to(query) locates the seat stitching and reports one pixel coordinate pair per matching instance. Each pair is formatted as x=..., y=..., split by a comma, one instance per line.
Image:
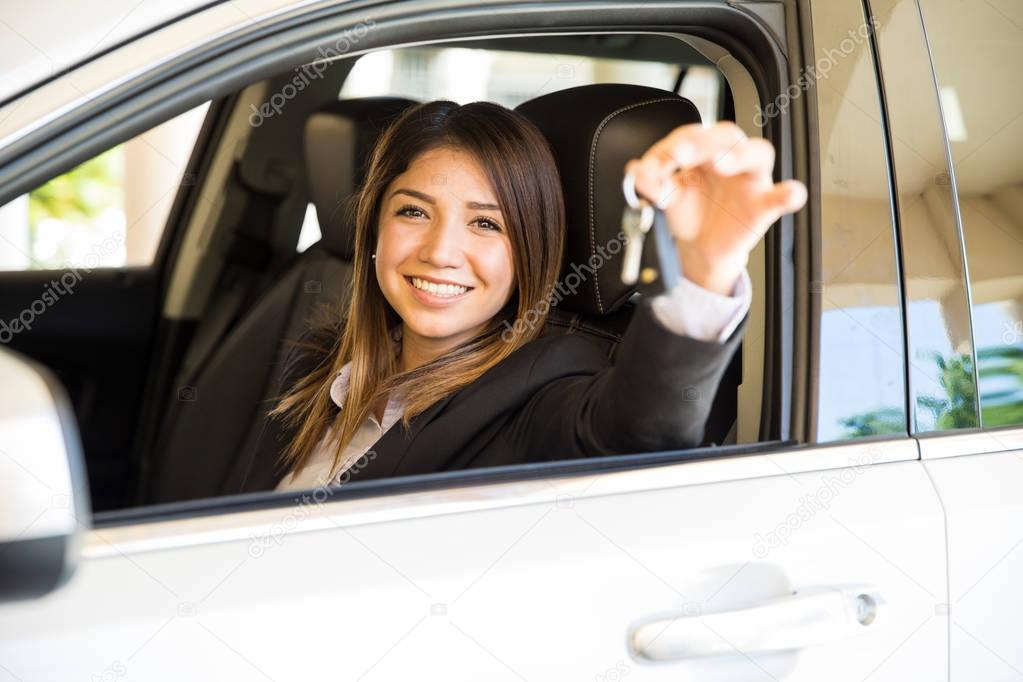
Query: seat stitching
x=593, y=154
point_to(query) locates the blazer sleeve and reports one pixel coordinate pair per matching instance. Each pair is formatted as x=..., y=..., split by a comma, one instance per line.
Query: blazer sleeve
x=656, y=396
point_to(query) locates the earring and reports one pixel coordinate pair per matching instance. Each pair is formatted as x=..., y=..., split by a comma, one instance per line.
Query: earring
x=374, y=256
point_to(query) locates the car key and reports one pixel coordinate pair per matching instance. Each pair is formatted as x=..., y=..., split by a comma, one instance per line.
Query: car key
x=654, y=270
x=661, y=271
x=637, y=220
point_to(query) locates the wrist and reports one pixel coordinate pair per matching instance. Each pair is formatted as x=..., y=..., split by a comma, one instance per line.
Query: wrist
x=718, y=275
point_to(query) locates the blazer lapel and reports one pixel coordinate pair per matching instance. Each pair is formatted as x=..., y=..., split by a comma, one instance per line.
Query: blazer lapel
x=392, y=447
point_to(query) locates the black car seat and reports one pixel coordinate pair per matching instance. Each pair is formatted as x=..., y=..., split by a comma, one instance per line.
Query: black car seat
x=229, y=392
x=593, y=130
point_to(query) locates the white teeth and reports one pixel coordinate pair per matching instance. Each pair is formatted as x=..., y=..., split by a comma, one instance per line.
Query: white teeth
x=443, y=290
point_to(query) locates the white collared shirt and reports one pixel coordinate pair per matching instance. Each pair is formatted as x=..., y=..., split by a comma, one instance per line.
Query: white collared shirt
x=687, y=310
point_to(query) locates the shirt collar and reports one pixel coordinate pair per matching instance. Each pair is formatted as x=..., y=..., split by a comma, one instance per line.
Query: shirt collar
x=339, y=387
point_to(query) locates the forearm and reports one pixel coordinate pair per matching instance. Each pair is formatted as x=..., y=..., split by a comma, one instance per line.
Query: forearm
x=660, y=392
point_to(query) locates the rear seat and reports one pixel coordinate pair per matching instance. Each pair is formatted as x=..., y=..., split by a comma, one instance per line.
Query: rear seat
x=198, y=449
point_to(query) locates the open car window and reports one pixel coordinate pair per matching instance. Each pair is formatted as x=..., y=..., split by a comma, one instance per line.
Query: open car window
x=108, y=212
x=254, y=173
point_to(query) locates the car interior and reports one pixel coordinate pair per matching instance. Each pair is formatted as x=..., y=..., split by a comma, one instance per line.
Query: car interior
x=235, y=285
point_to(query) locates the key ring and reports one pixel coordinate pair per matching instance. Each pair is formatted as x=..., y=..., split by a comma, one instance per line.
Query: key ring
x=629, y=189
x=633, y=200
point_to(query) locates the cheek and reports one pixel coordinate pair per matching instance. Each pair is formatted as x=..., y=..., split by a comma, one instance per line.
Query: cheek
x=390, y=248
x=495, y=264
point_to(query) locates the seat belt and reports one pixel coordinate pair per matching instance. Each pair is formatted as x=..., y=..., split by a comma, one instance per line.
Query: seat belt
x=247, y=260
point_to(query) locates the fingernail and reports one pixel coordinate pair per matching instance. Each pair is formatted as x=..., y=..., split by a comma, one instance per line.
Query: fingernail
x=800, y=194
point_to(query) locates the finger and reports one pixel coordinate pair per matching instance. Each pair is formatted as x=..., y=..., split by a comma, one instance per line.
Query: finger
x=748, y=156
x=640, y=186
x=649, y=185
x=785, y=197
x=692, y=145
x=659, y=188
x=685, y=147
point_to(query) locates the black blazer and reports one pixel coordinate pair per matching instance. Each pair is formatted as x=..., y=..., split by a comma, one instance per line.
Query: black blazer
x=557, y=397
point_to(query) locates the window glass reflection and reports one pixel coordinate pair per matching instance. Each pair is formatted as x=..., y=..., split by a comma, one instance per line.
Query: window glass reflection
x=977, y=57
x=862, y=378
x=941, y=374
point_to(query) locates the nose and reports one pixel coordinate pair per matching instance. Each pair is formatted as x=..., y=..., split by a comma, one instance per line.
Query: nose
x=443, y=243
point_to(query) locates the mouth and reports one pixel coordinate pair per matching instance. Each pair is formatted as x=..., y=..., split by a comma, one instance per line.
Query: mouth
x=433, y=293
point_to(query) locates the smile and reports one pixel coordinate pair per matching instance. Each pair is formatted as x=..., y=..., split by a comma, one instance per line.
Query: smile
x=433, y=289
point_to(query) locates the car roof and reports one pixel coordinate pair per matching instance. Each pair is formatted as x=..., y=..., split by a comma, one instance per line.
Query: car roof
x=53, y=37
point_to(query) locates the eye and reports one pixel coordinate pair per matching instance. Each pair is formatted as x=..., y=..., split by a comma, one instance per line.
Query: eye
x=486, y=223
x=411, y=211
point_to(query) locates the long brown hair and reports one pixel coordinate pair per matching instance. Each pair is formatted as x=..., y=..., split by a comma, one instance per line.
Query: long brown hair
x=523, y=173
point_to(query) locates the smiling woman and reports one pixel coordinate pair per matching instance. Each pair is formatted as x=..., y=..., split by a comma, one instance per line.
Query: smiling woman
x=451, y=269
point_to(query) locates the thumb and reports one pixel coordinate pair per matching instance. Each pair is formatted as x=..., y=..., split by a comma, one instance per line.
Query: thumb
x=785, y=197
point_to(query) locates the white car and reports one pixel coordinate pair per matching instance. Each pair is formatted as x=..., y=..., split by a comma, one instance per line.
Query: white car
x=169, y=189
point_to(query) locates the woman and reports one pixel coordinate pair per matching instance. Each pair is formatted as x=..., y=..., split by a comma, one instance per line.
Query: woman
x=459, y=235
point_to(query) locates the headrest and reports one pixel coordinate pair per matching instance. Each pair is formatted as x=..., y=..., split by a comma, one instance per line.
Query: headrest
x=338, y=141
x=593, y=131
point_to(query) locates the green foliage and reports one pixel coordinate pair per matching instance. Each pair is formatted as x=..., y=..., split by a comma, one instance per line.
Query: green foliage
x=874, y=422
x=82, y=193
x=1003, y=367
x=957, y=408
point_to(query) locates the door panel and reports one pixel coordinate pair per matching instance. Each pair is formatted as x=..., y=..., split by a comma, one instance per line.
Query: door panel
x=983, y=497
x=975, y=54
x=94, y=330
x=533, y=580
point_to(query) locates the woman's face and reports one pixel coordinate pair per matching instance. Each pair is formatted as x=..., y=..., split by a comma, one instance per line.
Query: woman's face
x=444, y=261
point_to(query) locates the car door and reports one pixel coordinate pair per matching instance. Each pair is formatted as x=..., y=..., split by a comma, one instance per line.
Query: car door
x=799, y=562
x=966, y=132
x=806, y=564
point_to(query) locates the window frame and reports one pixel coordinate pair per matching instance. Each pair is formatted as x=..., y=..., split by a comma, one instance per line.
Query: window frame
x=210, y=70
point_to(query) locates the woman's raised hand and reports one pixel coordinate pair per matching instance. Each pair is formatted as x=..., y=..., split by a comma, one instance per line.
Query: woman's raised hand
x=716, y=190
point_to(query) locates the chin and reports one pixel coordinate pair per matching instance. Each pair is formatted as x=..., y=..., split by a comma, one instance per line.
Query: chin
x=436, y=329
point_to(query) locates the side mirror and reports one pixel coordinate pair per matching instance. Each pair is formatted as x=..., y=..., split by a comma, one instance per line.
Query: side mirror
x=44, y=495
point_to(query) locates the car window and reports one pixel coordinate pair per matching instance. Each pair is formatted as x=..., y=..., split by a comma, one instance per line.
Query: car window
x=466, y=74
x=107, y=212
x=861, y=371
x=977, y=56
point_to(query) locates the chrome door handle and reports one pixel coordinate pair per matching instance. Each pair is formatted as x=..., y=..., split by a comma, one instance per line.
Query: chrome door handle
x=804, y=618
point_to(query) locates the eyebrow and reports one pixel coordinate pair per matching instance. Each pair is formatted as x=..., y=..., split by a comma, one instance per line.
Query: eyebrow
x=475, y=205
